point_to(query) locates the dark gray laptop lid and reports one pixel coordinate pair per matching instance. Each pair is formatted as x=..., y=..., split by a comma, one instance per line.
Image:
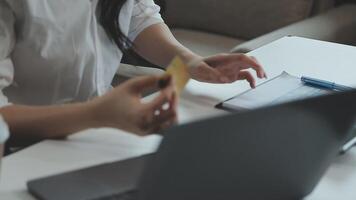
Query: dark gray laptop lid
x=279, y=152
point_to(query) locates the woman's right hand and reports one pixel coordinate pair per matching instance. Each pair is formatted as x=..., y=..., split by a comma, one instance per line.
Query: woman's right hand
x=123, y=108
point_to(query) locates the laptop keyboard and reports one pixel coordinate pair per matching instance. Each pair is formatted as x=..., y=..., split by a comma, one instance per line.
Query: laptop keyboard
x=129, y=195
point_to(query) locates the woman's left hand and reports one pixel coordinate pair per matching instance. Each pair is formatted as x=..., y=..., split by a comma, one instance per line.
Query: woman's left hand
x=226, y=68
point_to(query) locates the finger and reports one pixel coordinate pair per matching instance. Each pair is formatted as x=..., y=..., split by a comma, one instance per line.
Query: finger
x=159, y=101
x=241, y=61
x=163, y=113
x=163, y=120
x=152, y=122
x=167, y=115
x=170, y=106
x=174, y=102
x=245, y=75
x=160, y=118
x=162, y=126
x=165, y=96
x=173, y=106
x=255, y=59
x=248, y=62
x=165, y=126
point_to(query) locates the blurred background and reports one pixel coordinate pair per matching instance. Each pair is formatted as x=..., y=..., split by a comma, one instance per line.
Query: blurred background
x=214, y=26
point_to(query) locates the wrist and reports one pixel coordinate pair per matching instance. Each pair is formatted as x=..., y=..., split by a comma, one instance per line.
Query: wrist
x=190, y=57
x=93, y=114
x=187, y=55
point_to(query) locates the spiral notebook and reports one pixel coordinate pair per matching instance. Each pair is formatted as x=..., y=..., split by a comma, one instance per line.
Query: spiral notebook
x=281, y=89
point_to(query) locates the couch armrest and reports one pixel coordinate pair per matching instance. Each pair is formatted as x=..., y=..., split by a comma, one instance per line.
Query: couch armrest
x=337, y=25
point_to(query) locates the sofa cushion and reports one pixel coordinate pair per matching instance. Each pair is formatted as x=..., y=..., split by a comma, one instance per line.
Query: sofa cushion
x=337, y=25
x=205, y=44
x=237, y=18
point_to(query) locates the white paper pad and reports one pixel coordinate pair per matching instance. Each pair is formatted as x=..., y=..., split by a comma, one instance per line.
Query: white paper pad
x=281, y=89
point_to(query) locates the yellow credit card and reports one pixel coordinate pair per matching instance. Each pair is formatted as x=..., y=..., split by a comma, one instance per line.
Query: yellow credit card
x=180, y=74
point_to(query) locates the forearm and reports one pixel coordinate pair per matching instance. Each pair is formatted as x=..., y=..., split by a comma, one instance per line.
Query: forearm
x=159, y=46
x=29, y=123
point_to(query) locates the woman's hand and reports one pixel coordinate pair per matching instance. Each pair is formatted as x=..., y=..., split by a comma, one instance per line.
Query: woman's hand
x=122, y=107
x=226, y=68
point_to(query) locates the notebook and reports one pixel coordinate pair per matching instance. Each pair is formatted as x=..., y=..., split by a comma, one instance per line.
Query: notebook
x=281, y=89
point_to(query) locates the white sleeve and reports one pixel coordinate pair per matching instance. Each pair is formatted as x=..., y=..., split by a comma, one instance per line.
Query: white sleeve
x=145, y=13
x=7, y=41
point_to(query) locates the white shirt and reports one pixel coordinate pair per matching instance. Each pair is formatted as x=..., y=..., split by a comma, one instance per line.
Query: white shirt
x=55, y=51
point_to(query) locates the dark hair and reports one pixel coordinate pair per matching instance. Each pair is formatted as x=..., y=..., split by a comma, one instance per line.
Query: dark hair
x=109, y=19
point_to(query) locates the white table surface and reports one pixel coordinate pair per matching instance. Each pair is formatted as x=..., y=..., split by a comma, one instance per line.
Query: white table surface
x=297, y=56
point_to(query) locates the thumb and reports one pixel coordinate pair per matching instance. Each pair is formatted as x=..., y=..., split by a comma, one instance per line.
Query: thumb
x=163, y=98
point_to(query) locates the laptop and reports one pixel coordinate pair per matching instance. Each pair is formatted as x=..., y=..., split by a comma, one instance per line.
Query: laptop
x=278, y=152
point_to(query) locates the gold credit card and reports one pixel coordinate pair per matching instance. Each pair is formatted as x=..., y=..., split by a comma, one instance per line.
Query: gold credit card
x=180, y=74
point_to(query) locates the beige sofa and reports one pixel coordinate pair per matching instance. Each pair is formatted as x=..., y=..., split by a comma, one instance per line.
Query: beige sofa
x=214, y=26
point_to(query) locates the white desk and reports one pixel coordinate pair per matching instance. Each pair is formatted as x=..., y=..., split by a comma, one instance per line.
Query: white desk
x=298, y=56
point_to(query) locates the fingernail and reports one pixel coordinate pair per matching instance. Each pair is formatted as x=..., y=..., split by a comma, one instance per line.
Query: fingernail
x=164, y=82
x=253, y=85
x=263, y=75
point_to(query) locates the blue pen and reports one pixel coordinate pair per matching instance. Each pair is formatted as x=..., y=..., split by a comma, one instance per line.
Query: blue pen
x=325, y=84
